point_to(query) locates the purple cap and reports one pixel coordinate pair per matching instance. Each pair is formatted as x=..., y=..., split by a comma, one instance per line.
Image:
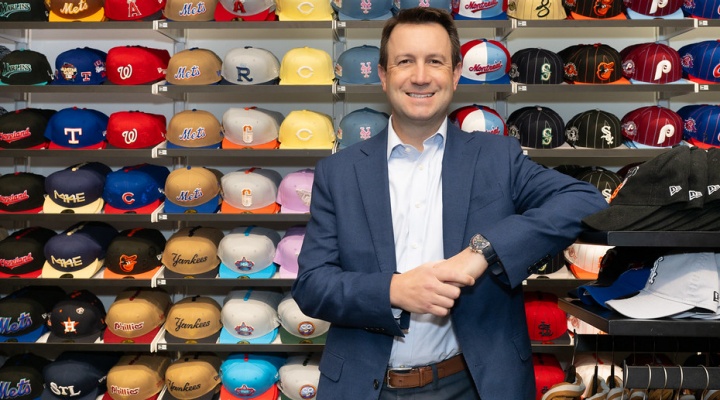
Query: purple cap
x=294, y=192
x=287, y=252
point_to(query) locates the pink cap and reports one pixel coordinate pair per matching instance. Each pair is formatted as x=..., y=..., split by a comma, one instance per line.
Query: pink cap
x=287, y=252
x=294, y=192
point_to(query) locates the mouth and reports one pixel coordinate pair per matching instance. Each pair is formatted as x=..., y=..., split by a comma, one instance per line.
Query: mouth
x=421, y=95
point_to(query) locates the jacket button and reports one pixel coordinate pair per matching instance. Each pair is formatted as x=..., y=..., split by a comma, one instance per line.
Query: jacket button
x=376, y=384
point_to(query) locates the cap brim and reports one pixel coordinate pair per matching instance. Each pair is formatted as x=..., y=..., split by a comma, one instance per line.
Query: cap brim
x=616, y=218
x=223, y=15
x=344, y=17
x=51, y=207
x=700, y=144
x=285, y=274
x=175, y=146
x=98, y=146
x=563, y=339
x=147, y=209
x=49, y=271
x=228, y=338
x=227, y=144
x=288, y=338
x=621, y=81
x=36, y=210
x=210, y=207
x=30, y=337
x=582, y=273
x=211, y=274
x=110, y=337
x=90, y=395
x=226, y=272
x=624, y=286
x=502, y=16
x=31, y=274
x=53, y=338
x=577, y=16
x=170, y=338
x=287, y=210
x=328, y=146
x=226, y=208
x=107, y=396
x=645, y=305
x=505, y=79
x=98, y=16
x=636, y=15
x=107, y=274
x=281, y=17
x=211, y=395
x=701, y=81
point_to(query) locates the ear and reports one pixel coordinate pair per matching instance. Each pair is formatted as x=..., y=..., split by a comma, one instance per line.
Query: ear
x=382, y=74
x=457, y=72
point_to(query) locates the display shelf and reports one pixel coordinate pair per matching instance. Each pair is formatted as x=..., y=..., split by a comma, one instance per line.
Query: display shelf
x=690, y=239
x=703, y=88
x=249, y=157
x=241, y=348
x=271, y=221
x=666, y=28
x=77, y=284
x=224, y=284
x=605, y=157
x=544, y=284
x=76, y=156
x=277, y=92
x=20, y=92
x=44, y=348
x=665, y=91
x=72, y=218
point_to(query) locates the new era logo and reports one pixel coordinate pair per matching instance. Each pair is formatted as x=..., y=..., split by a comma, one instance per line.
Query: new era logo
x=674, y=190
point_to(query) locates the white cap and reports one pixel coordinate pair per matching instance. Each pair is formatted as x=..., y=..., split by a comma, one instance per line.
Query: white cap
x=250, y=127
x=250, y=316
x=585, y=259
x=302, y=328
x=250, y=66
x=299, y=377
x=248, y=252
x=251, y=191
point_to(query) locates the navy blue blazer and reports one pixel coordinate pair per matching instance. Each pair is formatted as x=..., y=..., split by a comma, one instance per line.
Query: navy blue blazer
x=527, y=212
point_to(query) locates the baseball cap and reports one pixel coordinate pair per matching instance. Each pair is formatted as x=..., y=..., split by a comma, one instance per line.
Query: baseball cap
x=305, y=129
x=295, y=191
x=134, y=10
x=299, y=377
x=22, y=192
x=23, y=373
x=536, y=10
x=591, y=9
x=136, y=65
x=193, y=377
x=250, y=66
x=76, y=10
x=303, y=10
x=353, y=10
x=135, y=129
x=604, y=180
x=137, y=377
x=78, y=318
x=358, y=66
x=547, y=323
x=136, y=315
x=536, y=66
x=700, y=127
x=593, y=63
x=485, y=61
x=78, y=251
x=80, y=66
x=24, y=10
x=135, y=254
x=194, y=66
x=193, y=319
x=306, y=66
x=648, y=9
x=591, y=366
x=25, y=67
x=250, y=191
x=298, y=328
x=76, y=375
x=250, y=376
x=700, y=61
x=627, y=284
x=652, y=63
x=21, y=254
x=194, y=129
x=478, y=118
x=360, y=125
x=190, y=10
x=488, y=10
x=701, y=9
x=248, y=253
x=652, y=126
x=137, y=189
x=192, y=253
x=24, y=129
x=248, y=10
x=250, y=316
x=537, y=127
x=192, y=190
x=251, y=128
x=76, y=128
x=594, y=129
x=547, y=373
x=25, y=312
x=77, y=189
x=287, y=252
x=584, y=259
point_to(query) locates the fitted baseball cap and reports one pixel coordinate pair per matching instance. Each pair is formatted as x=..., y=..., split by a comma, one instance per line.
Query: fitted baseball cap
x=536, y=66
x=288, y=250
x=585, y=259
x=700, y=127
x=627, y=284
x=25, y=67
x=77, y=318
x=594, y=129
x=250, y=66
x=23, y=372
x=76, y=10
x=251, y=128
x=136, y=65
x=190, y=10
x=76, y=128
x=137, y=189
x=701, y=9
x=80, y=66
x=593, y=63
x=26, y=312
x=135, y=129
x=652, y=63
x=21, y=253
x=299, y=377
x=194, y=129
x=360, y=125
x=363, y=10
x=250, y=191
x=358, y=66
x=77, y=189
x=248, y=10
x=295, y=190
x=536, y=10
x=22, y=192
x=302, y=10
x=194, y=66
x=250, y=316
x=700, y=61
x=485, y=61
x=134, y=254
x=652, y=126
x=647, y=9
x=547, y=323
x=193, y=377
x=136, y=315
x=298, y=328
x=548, y=374
x=304, y=129
x=24, y=10
x=192, y=190
x=134, y=10
x=306, y=66
x=591, y=9
x=193, y=319
x=473, y=10
x=192, y=253
x=477, y=118
x=137, y=377
x=248, y=253
x=24, y=129
x=604, y=180
x=537, y=127
x=76, y=375
x=78, y=251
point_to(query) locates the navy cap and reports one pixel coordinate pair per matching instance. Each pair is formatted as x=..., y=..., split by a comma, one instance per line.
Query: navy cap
x=360, y=125
x=138, y=189
x=358, y=66
x=24, y=312
x=78, y=251
x=78, y=375
x=81, y=66
x=78, y=318
x=77, y=189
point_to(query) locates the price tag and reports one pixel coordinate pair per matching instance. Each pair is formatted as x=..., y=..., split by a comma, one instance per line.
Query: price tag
x=163, y=24
x=522, y=88
x=162, y=152
x=522, y=23
x=161, y=282
x=162, y=217
x=702, y=23
x=162, y=346
x=704, y=87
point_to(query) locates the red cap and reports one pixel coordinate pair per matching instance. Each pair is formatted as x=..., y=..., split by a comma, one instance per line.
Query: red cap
x=546, y=321
x=547, y=373
x=135, y=129
x=136, y=65
x=131, y=10
x=653, y=126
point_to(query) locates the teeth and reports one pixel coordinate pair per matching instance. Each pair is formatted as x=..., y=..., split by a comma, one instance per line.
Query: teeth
x=420, y=96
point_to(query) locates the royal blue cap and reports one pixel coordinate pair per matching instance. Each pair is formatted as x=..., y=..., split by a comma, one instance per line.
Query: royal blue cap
x=81, y=66
x=701, y=61
x=358, y=66
x=360, y=125
x=628, y=283
x=703, y=9
x=135, y=189
x=77, y=128
x=76, y=189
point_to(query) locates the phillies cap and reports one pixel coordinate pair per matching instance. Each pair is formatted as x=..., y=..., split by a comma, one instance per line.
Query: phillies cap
x=251, y=128
x=652, y=126
x=21, y=254
x=700, y=61
x=194, y=129
x=593, y=63
x=548, y=373
x=470, y=9
x=137, y=377
x=302, y=10
x=477, y=118
x=605, y=181
x=192, y=253
x=304, y=129
x=627, y=284
x=22, y=374
x=250, y=191
x=24, y=129
x=649, y=9
x=78, y=251
x=193, y=377
x=192, y=190
x=701, y=9
x=250, y=316
x=584, y=259
x=77, y=318
x=22, y=192
x=700, y=125
x=193, y=319
x=306, y=66
x=251, y=66
x=75, y=128
x=592, y=9
x=547, y=323
x=536, y=66
x=298, y=328
x=76, y=375
x=137, y=189
x=194, y=67
x=248, y=253
x=594, y=129
x=135, y=254
x=287, y=252
x=135, y=129
x=358, y=66
x=76, y=10
x=295, y=191
x=23, y=10
x=25, y=67
x=136, y=315
x=485, y=61
x=136, y=65
x=652, y=63
x=299, y=377
x=248, y=10
x=25, y=312
x=372, y=10
x=133, y=10
x=81, y=66
x=77, y=189
x=360, y=125
x=537, y=127
x=190, y=10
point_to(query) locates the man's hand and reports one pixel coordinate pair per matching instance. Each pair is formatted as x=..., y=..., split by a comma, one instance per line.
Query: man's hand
x=473, y=264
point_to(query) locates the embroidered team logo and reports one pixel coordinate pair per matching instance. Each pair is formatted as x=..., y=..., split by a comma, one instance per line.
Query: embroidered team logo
x=570, y=71
x=366, y=68
x=547, y=135
x=365, y=132
x=244, y=329
x=687, y=61
x=244, y=264
x=304, y=196
x=689, y=4
x=306, y=328
x=127, y=263
x=133, y=9
x=68, y=71
x=602, y=7
x=480, y=69
x=245, y=391
x=629, y=129
x=514, y=73
x=653, y=271
x=607, y=135
x=307, y=392
x=628, y=68
x=239, y=7
x=690, y=125
x=716, y=71
x=69, y=326
x=605, y=70
x=545, y=70
x=366, y=6
x=572, y=134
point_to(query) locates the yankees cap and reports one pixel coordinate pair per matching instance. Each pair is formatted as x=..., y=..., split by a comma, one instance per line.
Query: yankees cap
x=194, y=319
x=194, y=129
x=77, y=318
x=134, y=254
x=21, y=253
x=594, y=129
x=192, y=253
x=193, y=377
x=536, y=66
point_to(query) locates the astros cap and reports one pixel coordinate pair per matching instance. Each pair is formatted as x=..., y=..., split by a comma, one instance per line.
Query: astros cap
x=134, y=10
x=306, y=66
x=25, y=67
x=136, y=315
x=77, y=318
x=652, y=126
x=299, y=377
x=76, y=10
x=81, y=66
x=134, y=254
x=251, y=128
x=360, y=125
x=536, y=66
x=484, y=61
x=194, y=129
x=24, y=129
x=26, y=312
x=486, y=10
x=21, y=254
x=295, y=191
x=250, y=66
x=593, y=63
x=193, y=319
x=302, y=10
x=190, y=10
x=76, y=375
x=248, y=253
x=700, y=126
x=288, y=250
x=22, y=192
x=648, y=9
x=193, y=377
x=585, y=259
x=591, y=9
x=137, y=189
x=78, y=251
x=358, y=66
x=700, y=61
x=24, y=10
x=594, y=129
x=194, y=66
x=352, y=10
x=477, y=118
x=250, y=316
x=536, y=10
x=135, y=129
x=304, y=129
x=652, y=63
x=192, y=253
x=298, y=328
x=248, y=10
x=77, y=189
x=537, y=127
x=250, y=191
x=137, y=377
x=136, y=65
x=192, y=190
x=77, y=129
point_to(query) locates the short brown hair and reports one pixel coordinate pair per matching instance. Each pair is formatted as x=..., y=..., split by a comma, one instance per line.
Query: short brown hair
x=418, y=16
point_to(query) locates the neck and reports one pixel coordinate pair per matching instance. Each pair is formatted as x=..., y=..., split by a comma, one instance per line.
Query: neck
x=415, y=133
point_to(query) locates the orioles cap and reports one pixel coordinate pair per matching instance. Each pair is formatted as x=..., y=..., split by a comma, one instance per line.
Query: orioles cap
x=192, y=190
x=298, y=328
x=250, y=316
x=306, y=66
x=76, y=10
x=304, y=10
x=593, y=64
x=248, y=253
x=299, y=377
x=194, y=67
x=251, y=128
x=192, y=253
x=593, y=9
x=193, y=377
x=134, y=254
x=304, y=129
x=192, y=320
x=250, y=66
x=250, y=191
x=137, y=377
x=194, y=129
x=136, y=315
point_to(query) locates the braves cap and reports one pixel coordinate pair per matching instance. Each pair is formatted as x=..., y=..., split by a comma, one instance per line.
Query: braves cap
x=190, y=10
x=134, y=10
x=81, y=66
x=136, y=65
x=78, y=251
x=76, y=375
x=251, y=66
x=306, y=66
x=250, y=191
x=248, y=10
x=77, y=318
x=75, y=128
x=537, y=127
x=652, y=63
x=77, y=189
x=304, y=129
x=135, y=129
x=248, y=253
x=251, y=128
x=25, y=67
x=192, y=253
x=298, y=328
x=547, y=323
x=137, y=189
x=594, y=129
x=250, y=376
x=193, y=377
x=76, y=10
x=592, y=9
x=652, y=126
x=22, y=374
x=294, y=192
x=250, y=316
x=24, y=129
x=193, y=319
x=627, y=284
x=700, y=61
x=593, y=63
x=548, y=373
x=137, y=377
x=192, y=190
x=700, y=125
x=24, y=312
x=701, y=9
x=134, y=254
x=23, y=10
x=358, y=66
x=364, y=10
x=22, y=192
x=360, y=125
x=302, y=10
x=543, y=10
x=605, y=181
x=584, y=259
x=287, y=252
x=21, y=254
x=485, y=61
x=471, y=9
x=648, y=9
x=136, y=315
x=536, y=66
x=194, y=129
x=477, y=118
x=194, y=67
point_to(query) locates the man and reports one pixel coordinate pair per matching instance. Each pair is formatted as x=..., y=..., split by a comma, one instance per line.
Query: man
x=387, y=211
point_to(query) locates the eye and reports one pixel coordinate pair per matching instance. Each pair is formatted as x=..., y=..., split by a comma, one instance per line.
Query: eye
x=403, y=61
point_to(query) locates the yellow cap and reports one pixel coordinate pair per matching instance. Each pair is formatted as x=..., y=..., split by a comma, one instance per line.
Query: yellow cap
x=306, y=66
x=303, y=10
x=303, y=129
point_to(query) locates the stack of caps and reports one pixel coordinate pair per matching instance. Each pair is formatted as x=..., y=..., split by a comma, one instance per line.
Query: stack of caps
x=250, y=316
x=299, y=377
x=652, y=127
x=548, y=374
x=298, y=328
x=22, y=192
x=135, y=129
x=250, y=191
x=248, y=10
x=252, y=376
x=136, y=315
x=75, y=374
x=547, y=323
x=193, y=377
x=360, y=125
x=654, y=63
x=536, y=66
x=594, y=129
x=137, y=189
x=352, y=10
x=80, y=66
x=77, y=189
x=22, y=253
x=592, y=64
x=700, y=60
x=251, y=128
x=477, y=118
x=76, y=10
x=303, y=129
x=193, y=319
x=294, y=192
x=192, y=190
x=194, y=129
x=137, y=377
x=700, y=127
x=78, y=318
x=192, y=253
x=537, y=127
x=306, y=66
x=485, y=61
x=288, y=251
x=543, y=10
x=601, y=376
x=136, y=65
x=24, y=129
x=134, y=254
x=78, y=251
x=302, y=10
x=77, y=129
x=473, y=10
x=25, y=67
x=248, y=253
x=26, y=312
x=190, y=10
x=250, y=66
x=358, y=66
x=193, y=67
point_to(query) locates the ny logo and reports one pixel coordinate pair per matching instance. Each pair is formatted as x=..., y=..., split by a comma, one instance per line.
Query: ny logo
x=366, y=6
x=365, y=69
x=365, y=132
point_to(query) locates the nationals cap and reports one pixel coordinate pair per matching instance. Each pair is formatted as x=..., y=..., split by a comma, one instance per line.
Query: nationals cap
x=298, y=328
x=299, y=377
x=700, y=125
x=547, y=323
x=23, y=10
x=477, y=118
x=135, y=129
x=536, y=66
x=350, y=10
x=194, y=67
x=485, y=61
x=135, y=254
x=250, y=316
x=248, y=253
x=302, y=10
x=136, y=315
x=250, y=66
x=133, y=10
x=192, y=253
x=306, y=66
x=288, y=250
x=360, y=125
x=652, y=9
x=247, y=10
x=484, y=9
x=77, y=189
x=136, y=65
x=652, y=126
x=700, y=61
x=652, y=63
x=701, y=9
x=76, y=10
x=137, y=377
x=358, y=66
x=592, y=9
x=295, y=191
x=250, y=191
x=25, y=67
x=22, y=192
x=77, y=318
x=537, y=127
x=543, y=10
x=76, y=375
x=192, y=190
x=190, y=10
x=78, y=251
x=81, y=66
x=594, y=129
x=193, y=377
x=593, y=63
x=21, y=254
x=137, y=189
x=77, y=129
x=585, y=259
x=194, y=129
x=251, y=128
x=304, y=129
x=192, y=320
x=24, y=129
x=25, y=312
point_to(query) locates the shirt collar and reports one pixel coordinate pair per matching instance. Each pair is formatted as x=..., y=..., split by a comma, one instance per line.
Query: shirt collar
x=394, y=141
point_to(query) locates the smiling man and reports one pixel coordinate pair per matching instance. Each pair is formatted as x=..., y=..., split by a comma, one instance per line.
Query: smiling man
x=420, y=237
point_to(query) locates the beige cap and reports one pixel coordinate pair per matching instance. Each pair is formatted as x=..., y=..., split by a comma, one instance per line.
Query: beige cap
x=136, y=377
x=194, y=67
x=193, y=319
x=194, y=129
x=136, y=316
x=193, y=377
x=192, y=252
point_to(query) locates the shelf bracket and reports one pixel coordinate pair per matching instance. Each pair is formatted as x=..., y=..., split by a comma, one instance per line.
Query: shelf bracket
x=665, y=33
x=502, y=32
x=177, y=35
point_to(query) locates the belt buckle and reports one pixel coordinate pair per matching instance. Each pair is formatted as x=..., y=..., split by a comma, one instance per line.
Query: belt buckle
x=399, y=369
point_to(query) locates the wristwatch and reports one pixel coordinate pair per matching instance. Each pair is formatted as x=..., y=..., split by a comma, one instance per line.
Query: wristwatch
x=478, y=244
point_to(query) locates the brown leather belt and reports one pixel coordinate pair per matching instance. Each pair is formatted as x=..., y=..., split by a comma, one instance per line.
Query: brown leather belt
x=401, y=378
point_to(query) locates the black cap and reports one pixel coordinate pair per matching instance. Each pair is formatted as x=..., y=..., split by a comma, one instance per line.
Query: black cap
x=537, y=127
x=24, y=312
x=25, y=67
x=24, y=129
x=23, y=374
x=594, y=129
x=536, y=66
x=594, y=9
x=605, y=181
x=23, y=10
x=592, y=63
x=21, y=254
x=78, y=318
x=134, y=252
x=22, y=192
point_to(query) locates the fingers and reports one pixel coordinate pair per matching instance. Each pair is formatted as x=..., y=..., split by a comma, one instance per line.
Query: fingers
x=423, y=290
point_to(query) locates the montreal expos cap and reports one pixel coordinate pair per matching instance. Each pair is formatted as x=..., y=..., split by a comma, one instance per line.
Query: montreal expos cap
x=536, y=66
x=287, y=252
x=627, y=284
x=194, y=129
x=537, y=127
x=76, y=375
x=543, y=10
x=652, y=126
x=700, y=125
x=24, y=372
x=25, y=67
x=592, y=9
x=22, y=192
x=251, y=128
x=21, y=254
x=584, y=259
x=136, y=65
x=547, y=323
x=193, y=377
x=192, y=253
x=299, y=377
x=24, y=10
x=304, y=129
x=137, y=377
x=303, y=10
x=250, y=316
x=248, y=10
x=477, y=118
x=192, y=190
x=77, y=129
x=24, y=128
x=306, y=66
x=594, y=129
x=76, y=10
x=652, y=63
x=25, y=312
x=190, y=10
x=137, y=189
x=701, y=9
x=78, y=251
x=470, y=9
x=593, y=63
x=77, y=189
x=701, y=61
x=648, y=9
x=248, y=253
x=81, y=66
x=298, y=328
x=194, y=319
x=136, y=315
x=250, y=66
x=194, y=67
x=295, y=190
x=358, y=66
x=135, y=129
x=360, y=125
x=373, y=10
x=78, y=318
x=134, y=10
x=485, y=61
x=134, y=254
x=250, y=191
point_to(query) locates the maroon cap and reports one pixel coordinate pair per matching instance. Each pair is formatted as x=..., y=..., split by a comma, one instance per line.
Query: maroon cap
x=652, y=126
x=652, y=63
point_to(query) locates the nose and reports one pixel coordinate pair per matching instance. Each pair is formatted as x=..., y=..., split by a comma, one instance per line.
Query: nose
x=420, y=74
